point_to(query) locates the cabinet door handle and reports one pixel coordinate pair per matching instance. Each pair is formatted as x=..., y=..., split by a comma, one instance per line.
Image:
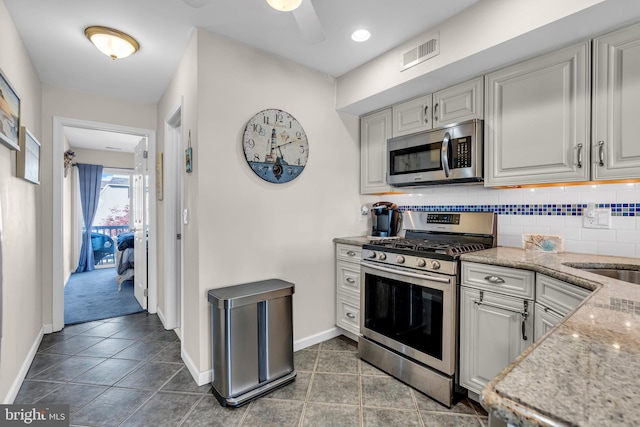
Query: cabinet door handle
x=435, y=112
x=426, y=114
x=494, y=279
x=579, y=164
x=351, y=315
x=525, y=315
x=351, y=280
x=351, y=253
x=445, y=154
x=600, y=153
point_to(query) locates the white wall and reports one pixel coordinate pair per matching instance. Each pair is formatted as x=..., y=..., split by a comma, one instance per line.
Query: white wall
x=249, y=229
x=485, y=36
x=623, y=239
x=183, y=88
x=21, y=288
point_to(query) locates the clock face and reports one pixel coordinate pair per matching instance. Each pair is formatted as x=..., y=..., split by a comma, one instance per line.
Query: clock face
x=275, y=146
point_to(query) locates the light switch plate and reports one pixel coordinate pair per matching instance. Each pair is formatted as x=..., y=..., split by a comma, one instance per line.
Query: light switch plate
x=593, y=217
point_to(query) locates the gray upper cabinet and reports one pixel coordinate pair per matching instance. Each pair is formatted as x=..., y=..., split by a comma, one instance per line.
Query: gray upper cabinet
x=412, y=116
x=458, y=103
x=537, y=120
x=375, y=129
x=454, y=104
x=616, y=105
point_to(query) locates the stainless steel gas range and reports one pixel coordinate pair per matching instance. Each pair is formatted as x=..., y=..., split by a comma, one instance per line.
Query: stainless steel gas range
x=409, y=297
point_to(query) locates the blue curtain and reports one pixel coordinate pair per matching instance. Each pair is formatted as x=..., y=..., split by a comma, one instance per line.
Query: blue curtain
x=90, y=180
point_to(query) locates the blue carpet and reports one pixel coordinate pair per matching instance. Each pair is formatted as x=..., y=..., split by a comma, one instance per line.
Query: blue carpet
x=94, y=295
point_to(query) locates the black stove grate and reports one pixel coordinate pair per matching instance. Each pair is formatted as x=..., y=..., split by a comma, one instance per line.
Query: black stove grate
x=431, y=246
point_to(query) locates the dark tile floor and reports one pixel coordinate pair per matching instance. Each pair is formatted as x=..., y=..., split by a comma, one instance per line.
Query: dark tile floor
x=127, y=371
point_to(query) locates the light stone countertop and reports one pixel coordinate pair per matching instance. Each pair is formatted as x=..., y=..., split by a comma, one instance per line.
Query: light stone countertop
x=356, y=240
x=586, y=370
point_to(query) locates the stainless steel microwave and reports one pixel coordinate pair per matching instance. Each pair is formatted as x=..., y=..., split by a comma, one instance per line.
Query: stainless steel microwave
x=450, y=154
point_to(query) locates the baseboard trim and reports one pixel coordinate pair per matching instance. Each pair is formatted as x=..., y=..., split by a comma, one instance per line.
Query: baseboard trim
x=48, y=328
x=316, y=338
x=22, y=373
x=201, y=378
x=161, y=317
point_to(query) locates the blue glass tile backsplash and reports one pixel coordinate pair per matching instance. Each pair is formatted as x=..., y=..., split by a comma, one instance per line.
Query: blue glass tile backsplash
x=617, y=209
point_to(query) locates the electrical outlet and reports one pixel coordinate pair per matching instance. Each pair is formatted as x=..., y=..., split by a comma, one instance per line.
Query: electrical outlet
x=593, y=217
x=364, y=213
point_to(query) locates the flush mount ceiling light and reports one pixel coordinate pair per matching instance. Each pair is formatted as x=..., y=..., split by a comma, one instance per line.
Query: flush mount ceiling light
x=284, y=5
x=113, y=43
x=360, y=35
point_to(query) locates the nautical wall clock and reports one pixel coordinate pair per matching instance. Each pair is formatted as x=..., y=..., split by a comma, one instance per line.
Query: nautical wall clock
x=275, y=146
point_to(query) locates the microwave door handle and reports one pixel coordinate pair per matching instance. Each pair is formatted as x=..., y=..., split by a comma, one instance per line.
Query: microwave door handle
x=444, y=154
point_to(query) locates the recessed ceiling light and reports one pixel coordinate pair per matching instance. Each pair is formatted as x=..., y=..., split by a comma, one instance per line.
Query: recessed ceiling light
x=360, y=35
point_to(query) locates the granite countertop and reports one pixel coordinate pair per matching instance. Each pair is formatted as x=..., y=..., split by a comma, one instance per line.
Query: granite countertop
x=585, y=371
x=356, y=240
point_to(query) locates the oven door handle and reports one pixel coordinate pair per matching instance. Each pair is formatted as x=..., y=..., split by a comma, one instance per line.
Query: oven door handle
x=408, y=274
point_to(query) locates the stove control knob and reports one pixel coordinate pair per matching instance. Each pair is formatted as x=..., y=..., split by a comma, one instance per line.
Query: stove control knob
x=371, y=254
x=435, y=265
x=382, y=256
x=400, y=259
x=421, y=262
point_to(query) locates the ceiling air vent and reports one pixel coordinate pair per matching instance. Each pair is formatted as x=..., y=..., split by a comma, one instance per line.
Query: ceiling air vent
x=421, y=53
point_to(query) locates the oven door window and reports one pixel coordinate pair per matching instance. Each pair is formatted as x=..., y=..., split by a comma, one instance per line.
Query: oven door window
x=422, y=158
x=405, y=312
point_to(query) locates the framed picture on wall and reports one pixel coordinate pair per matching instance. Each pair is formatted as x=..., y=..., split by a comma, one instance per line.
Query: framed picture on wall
x=28, y=158
x=9, y=114
x=188, y=159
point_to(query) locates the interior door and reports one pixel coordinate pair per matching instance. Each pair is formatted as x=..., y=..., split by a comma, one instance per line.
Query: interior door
x=140, y=218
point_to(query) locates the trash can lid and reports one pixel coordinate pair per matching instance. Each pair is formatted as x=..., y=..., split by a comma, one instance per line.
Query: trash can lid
x=250, y=293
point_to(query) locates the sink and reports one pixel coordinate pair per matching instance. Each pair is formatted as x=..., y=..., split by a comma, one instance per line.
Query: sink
x=631, y=276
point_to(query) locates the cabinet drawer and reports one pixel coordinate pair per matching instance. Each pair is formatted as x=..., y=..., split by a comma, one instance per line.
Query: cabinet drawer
x=348, y=252
x=348, y=278
x=505, y=280
x=348, y=314
x=559, y=296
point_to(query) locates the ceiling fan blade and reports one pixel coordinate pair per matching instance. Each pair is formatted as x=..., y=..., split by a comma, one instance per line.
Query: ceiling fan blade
x=308, y=22
x=197, y=3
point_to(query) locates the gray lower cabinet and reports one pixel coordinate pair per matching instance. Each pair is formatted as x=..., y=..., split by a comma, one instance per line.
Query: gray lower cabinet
x=554, y=300
x=496, y=321
x=503, y=311
x=348, y=287
x=545, y=320
x=494, y=331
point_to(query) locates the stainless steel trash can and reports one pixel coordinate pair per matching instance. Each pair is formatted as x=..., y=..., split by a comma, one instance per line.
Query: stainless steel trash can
x=252, y=339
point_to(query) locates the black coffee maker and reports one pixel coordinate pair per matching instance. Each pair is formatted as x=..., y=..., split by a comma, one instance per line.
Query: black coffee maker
x=386, y=219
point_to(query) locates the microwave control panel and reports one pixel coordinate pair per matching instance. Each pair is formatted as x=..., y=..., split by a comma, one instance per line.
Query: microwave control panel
x=461, y=152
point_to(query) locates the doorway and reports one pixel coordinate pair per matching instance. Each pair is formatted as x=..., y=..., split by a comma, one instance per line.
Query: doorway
x=57, y=272
x=108, y=290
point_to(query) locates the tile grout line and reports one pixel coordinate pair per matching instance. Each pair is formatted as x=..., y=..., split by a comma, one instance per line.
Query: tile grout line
x=311, y=378
x=360, y=391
